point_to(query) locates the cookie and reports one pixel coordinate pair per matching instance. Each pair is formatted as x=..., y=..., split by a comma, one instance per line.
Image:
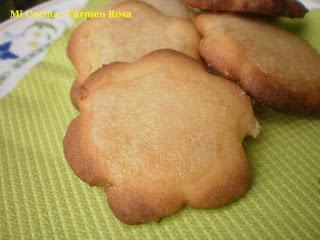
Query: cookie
x=102, y=41
x=275, y=67
x=161, y=133
x=286, y=8
x=172, y=8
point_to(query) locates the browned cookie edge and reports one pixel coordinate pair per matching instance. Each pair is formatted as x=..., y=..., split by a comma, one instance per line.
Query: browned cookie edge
x=285, y=8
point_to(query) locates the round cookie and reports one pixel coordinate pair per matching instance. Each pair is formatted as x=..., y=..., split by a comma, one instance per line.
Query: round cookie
x=102, y=41
x=160, y=133
x=286, y=8
x=274, y=66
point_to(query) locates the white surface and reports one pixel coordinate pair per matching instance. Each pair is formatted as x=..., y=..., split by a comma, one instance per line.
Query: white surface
x=29, y=39
x=310, y=4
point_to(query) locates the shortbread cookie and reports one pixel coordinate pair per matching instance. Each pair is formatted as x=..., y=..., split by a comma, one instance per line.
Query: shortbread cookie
x=102, y=41
x=160, y=133
x=288, y=8
x=274, y=66
x=173, y=8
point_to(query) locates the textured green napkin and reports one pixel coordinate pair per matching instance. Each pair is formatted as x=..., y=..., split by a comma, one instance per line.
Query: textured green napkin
x=41, y=198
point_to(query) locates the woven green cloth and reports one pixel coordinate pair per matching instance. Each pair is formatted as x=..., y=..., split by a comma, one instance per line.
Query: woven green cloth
x=41, y=198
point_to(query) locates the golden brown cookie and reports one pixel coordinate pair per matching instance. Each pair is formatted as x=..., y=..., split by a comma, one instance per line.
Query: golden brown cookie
x=172, y=8
x=287, y=8
x=102, y=41
x=274, y=66
x=160, y=133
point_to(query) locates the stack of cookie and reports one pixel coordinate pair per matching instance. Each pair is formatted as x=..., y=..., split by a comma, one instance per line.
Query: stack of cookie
x=156, y=130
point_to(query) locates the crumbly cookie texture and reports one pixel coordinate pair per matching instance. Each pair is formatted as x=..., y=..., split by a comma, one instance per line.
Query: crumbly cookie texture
x=102, y=41
x=285, y=8
x=275, y=67
x=161, y=133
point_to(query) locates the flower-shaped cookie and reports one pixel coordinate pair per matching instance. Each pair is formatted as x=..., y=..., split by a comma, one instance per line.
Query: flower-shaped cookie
x=160, y=133
x=102, y=41
x=274, y=66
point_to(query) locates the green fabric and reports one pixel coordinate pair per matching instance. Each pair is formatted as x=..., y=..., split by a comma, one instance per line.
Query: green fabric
x=41, y=198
